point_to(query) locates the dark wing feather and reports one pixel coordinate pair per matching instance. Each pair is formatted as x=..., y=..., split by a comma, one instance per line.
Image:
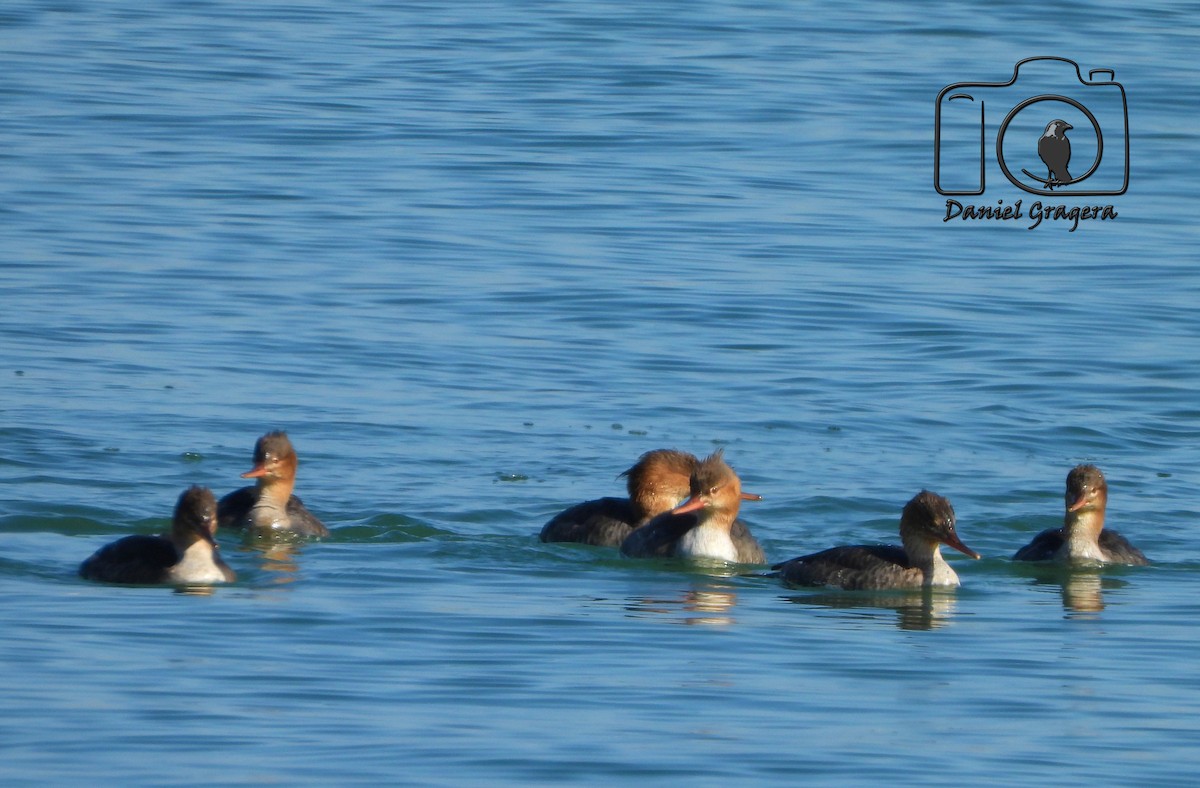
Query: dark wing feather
x=1121, y=549
x=134, y=560
x=604, y=522
x=304, y=522
x=1042, y=548
x=748, y=548
x=657, y=538
x=1055, y=153
x=853, y=567
x=1046, y=152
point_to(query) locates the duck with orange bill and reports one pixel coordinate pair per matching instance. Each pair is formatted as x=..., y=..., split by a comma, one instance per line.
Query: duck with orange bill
x=703, y=526
x=657, y=482
x=269, y=507
x=1083, y=538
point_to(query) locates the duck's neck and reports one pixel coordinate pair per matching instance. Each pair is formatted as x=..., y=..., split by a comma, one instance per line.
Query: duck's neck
x=710, y=539
x=276, y=492
x=271, y=508
x=926, y=555
x=941, y=573
x=1081, y=532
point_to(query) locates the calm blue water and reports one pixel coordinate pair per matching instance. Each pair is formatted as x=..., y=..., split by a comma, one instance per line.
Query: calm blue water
x=476, y=258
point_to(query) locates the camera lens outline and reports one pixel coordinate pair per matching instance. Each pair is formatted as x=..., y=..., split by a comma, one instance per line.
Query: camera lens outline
x=1035, y=99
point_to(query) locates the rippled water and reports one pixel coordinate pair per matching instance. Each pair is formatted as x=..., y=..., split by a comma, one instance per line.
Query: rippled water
x=476, y=258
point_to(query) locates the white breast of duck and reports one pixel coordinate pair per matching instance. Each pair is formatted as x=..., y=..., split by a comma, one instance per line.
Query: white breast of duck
x=707, y=541
x=198, y=565
x=1081, y=547
x=266, y=513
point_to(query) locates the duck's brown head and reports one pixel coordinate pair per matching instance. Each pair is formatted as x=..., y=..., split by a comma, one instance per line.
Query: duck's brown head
x=195, y=516
x=660, y=480
x=1086, y=489
x=715, y=487
x=274, y=459
x=931, y=517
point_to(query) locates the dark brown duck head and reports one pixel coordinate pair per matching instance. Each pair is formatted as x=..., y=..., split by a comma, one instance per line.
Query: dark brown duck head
x=195, y=517
x=274, y=460
x=929, y=519
x=1086, y=489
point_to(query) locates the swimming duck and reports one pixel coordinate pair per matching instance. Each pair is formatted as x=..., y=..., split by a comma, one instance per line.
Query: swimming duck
x=926, y=523
x=1083, y=537
x=269, y=506
x=657, y=482
x=703, y=525
x=188, y=556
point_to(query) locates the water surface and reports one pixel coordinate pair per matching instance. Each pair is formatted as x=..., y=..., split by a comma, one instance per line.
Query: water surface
x=476, y=259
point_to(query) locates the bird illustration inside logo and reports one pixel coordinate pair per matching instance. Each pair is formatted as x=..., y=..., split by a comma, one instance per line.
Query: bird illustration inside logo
x=1055, y=150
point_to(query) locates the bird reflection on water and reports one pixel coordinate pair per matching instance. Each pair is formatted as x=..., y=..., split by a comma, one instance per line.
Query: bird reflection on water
x=919, y=609
x=702, y=605
x=195, y=590
x=278, y=559
x=1082, y=589
x=1082, y=593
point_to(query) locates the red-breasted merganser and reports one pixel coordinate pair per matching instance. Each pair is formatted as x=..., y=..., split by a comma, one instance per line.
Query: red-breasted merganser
x=188, y=556
x=703, y=525
x=1083, y=537
x=926, y=523
x=656, y=483
x=269, y=506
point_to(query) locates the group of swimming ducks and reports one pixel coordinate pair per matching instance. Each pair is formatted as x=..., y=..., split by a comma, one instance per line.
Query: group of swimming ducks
x=653, y=522
x=189, y=554
x=679, y=506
